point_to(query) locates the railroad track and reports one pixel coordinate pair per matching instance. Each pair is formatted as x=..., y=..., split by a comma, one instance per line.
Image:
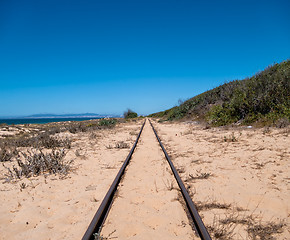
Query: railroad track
x=101, y=214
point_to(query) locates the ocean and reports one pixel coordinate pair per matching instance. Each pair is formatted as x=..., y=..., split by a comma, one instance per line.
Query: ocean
x=42, y=120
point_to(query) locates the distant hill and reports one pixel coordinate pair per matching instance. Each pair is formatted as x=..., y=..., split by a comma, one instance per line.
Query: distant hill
x=263, y=98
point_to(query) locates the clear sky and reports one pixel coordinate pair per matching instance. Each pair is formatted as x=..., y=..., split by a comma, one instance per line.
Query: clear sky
x=104, y=56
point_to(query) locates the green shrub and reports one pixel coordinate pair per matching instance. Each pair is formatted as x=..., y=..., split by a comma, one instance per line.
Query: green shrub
x=108, y=122
x=130, y=114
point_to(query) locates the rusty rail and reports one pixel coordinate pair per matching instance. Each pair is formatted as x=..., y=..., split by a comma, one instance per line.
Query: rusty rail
x=102, y=212
x=198, y=223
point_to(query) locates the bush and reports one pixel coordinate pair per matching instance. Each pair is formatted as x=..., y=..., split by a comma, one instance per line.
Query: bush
x=76, y=127
x=37, y=162
x=130, y=114
x=108, y=122
x=7, y=153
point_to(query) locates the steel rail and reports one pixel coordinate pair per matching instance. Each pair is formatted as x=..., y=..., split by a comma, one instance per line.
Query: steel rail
x=199, y=225
x=102, y=211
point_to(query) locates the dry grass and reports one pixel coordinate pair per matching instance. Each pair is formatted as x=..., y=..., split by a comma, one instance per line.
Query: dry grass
x=198, y=175
x=122, y=145
x=221, y=231
x=169, y=185
x=211, y=205
x=223, y=226
x=265, y=231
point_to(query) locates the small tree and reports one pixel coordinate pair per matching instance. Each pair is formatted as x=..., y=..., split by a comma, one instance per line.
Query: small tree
x=130, y=114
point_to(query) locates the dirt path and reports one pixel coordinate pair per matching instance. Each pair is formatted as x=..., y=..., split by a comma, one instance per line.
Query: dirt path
x=147, y=205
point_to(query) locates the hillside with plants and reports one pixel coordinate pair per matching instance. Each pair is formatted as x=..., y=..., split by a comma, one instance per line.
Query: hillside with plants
x=263, y=99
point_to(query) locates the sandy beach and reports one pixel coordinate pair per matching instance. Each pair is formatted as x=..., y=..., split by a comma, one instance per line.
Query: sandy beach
x=238, y=178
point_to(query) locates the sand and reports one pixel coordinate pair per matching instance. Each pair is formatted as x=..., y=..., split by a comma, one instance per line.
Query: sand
x=243, y=169
x=232, y=174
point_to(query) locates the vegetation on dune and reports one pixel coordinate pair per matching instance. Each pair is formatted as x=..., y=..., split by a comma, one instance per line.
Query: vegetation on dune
x=130, y=114
x=108, y=122
x=263, y=98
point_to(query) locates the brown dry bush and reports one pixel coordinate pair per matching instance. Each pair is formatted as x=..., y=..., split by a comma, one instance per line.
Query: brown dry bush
x=198, y=175
x=7, y=153
x=35, y=162
x=264, y=231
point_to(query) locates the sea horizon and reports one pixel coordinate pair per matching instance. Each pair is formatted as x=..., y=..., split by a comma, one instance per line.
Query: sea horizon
x=19, y=121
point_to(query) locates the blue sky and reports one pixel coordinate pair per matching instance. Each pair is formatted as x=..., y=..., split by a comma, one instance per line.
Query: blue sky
x=77, y=56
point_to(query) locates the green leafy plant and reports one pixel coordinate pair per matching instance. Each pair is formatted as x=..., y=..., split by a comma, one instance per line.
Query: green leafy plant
x=108, y=122
x=130, y=114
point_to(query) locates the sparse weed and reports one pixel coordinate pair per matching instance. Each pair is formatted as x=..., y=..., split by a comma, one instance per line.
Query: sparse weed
x=265, y=231
x=191, y=192
x=196, y=161
x=80, y=153
x=133, y=133
x=169, y=185
x=224, y=226
x=221, y=231
x=22, y=186
x=199, y=175
x=181, y=170
x=99, y=236
x=92, y=136
x=231, y=138
x=255, y=228
x=266, y=130
x=211, y=205
x=77, y=153
x=109, y=146
x=122, y=145
x=282, y=122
